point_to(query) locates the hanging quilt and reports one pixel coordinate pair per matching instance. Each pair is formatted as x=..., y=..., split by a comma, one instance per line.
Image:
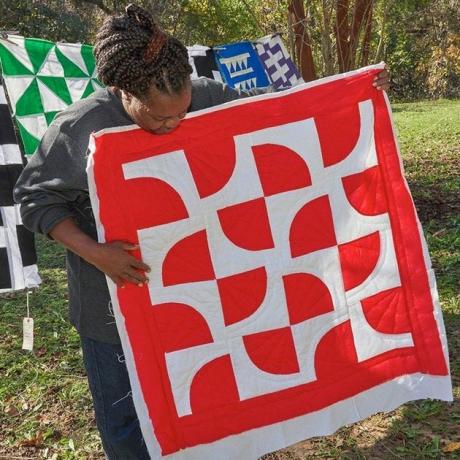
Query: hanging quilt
x=42, y=78
x=290, y=289
x=203, y=62
x=18, y=259
x=277, y=62
x=240, y=66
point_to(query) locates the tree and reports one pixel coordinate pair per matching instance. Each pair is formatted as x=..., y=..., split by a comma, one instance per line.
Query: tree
x=348, y=21
x=303, y=48
x=55, y=20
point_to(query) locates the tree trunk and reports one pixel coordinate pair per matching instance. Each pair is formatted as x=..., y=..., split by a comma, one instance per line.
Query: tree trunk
x=379, y=52
x=304, y=52
x=367, y=38
x=326, y=45
x=342, y=34
x=360, y=12
x=291, y=36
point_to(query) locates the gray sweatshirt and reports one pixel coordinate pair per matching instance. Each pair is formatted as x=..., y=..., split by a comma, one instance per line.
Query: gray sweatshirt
x=54, y=187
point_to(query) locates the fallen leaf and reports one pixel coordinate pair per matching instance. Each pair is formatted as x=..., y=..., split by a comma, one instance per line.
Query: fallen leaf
x=33, y=442
x=452, y=447
x=41, y=351
x=11, y=410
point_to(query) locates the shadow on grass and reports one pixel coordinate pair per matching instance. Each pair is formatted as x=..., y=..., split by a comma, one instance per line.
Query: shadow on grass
x=419, y=106
x=436, y=200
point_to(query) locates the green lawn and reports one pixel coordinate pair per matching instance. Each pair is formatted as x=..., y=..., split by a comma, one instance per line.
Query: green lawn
x=45, y=408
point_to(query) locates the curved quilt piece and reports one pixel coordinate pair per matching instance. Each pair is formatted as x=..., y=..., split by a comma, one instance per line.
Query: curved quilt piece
x=157, y=193
x=193, y=330
x=338, y=133
x=306, y=296
x=211, y=166
x=365, y=192
x=358, y=259
x=213, y=386
x=273, y=351
x=280, y=169
x=247, y=225
x=387, y=311
x=188, y=261
x=242, y=294
x=312, y=228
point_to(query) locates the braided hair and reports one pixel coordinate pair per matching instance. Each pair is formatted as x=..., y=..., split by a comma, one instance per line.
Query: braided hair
x=133, y=54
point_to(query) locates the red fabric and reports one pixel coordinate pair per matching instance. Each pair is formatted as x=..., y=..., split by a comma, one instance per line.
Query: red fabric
x=192, y=332
x=214, y=385
x=338, y=133
x=280, y=169
x=387, y=311
x=202, y=160
x=166, y=204
x=247, y=225
x=366, y=192
x=358, y=259
x=312, y=228
x=188, y=261
x=242, y=294
x=306, y=296
x=273, y=351
x=126, y=206
x=335, y=355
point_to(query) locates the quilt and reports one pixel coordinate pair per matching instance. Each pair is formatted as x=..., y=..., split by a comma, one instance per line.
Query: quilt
x=42, y=78
x=277, y=62
x=203, y=62
x=241, y=66
x=18, y=258
x=291, y=291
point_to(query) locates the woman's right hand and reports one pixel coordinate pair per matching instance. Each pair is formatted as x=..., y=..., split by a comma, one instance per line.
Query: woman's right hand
x=115, y=260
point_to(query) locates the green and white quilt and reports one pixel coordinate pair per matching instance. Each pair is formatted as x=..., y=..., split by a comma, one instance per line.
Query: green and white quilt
x=42, y=78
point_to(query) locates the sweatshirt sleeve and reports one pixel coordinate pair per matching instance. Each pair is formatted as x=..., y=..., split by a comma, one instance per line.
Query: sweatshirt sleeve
x=52, y=181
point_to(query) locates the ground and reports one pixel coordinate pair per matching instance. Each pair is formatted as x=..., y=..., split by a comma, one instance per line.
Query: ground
x=45, y=407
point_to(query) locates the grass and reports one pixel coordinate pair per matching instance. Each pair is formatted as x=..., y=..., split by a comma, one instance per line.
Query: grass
x=45, y=407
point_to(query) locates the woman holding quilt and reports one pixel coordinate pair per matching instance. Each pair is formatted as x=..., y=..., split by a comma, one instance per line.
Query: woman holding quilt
x=147, y=78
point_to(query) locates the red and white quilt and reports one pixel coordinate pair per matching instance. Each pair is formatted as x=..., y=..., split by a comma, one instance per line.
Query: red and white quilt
x=291, y=291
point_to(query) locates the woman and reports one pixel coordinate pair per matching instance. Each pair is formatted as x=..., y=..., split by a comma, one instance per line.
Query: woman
x=148, y=83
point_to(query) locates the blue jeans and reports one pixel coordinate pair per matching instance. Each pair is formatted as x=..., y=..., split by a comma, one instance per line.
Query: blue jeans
x=113, y=404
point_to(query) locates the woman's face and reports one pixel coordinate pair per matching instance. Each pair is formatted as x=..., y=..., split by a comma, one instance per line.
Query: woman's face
x=159, y=113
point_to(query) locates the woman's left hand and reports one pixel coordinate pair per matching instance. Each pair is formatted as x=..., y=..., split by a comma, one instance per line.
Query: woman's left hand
x=382, y=80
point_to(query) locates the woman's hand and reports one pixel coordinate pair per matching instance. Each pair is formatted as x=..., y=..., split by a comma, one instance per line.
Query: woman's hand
x=382, y=80
x=116, y=262
x=113, y=258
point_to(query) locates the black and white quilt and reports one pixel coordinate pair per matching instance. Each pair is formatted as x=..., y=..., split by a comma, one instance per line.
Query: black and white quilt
x=18, y=258
x=203, y=62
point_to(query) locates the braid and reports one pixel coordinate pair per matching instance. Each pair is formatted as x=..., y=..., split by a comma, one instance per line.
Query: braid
x=133, y=54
